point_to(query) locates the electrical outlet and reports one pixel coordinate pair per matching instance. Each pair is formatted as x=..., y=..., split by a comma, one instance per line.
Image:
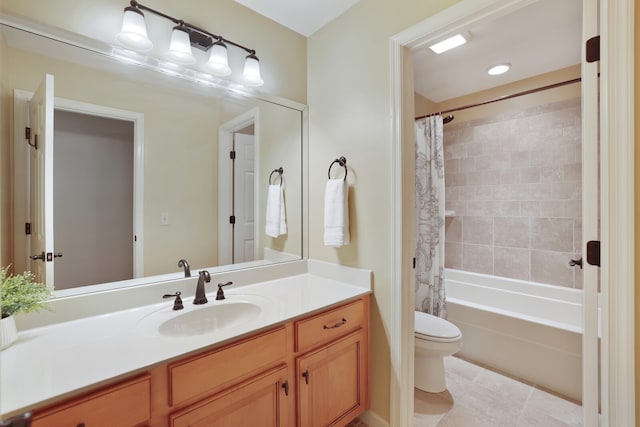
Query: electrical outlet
x=164, y=218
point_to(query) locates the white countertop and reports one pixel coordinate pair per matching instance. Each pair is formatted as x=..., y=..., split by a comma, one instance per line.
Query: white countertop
x=50, y=363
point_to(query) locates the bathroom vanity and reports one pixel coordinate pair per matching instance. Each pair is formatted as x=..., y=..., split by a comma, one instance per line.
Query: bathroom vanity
x=303, y=360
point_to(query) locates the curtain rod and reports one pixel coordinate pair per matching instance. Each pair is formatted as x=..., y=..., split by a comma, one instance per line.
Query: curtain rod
x=504, y=97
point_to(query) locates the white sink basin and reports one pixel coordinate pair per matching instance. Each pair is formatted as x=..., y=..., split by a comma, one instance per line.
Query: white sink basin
x=209, y=319
x=204, y=319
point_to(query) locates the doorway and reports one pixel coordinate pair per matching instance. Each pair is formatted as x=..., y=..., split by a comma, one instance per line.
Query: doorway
x=93, y=202
x=78, y=122
x=238, y=143
x=617, y=172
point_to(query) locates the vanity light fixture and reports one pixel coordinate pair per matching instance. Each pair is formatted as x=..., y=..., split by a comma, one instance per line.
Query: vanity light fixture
x=183, y=37
x=496, y=70
x=251, y=72
x=134, y=30
x=218, y=63
x=180, y=47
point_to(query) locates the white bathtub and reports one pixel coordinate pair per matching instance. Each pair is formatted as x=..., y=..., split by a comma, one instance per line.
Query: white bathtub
x=527, y=330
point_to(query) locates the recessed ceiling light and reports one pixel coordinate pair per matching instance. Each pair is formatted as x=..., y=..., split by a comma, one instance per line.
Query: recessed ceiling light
x=498, y=69
x=448, y=44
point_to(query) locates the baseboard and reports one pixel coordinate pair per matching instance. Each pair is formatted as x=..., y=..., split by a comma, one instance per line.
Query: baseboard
x=371, y=419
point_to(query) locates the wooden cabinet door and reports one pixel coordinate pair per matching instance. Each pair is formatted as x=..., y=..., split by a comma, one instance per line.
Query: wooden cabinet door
x=260, y=401
x=125, y=404
x=332, y=383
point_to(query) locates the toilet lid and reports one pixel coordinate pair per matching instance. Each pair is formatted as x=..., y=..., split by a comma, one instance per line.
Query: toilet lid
x=433, y=326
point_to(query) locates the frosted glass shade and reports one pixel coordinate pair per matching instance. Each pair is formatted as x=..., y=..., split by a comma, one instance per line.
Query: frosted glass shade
x=251, y=73
x=180, y=47
x=218, y=63
x=134, y=31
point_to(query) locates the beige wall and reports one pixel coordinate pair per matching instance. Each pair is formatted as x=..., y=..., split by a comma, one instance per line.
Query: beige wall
x=349, y=109
x=637, y=208
x=5, y=162
x=423, y=106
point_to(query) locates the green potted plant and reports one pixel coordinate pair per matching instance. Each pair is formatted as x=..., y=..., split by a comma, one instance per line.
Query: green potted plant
x=19, y=293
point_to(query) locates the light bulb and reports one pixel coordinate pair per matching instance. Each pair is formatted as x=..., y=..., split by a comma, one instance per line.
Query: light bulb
x=218, y=63
x=251, y=73
x=180, y=47
x=134, y=31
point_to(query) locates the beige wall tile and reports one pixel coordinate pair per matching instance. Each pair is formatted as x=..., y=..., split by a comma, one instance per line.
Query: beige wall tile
x=552, y=234
x=477, y=229
x=551, y=268
x=512, y=232
x=453, y=229
x=511, y=262
x=517, y=179
x=477, y=258
x=542, y=209
x=453, y=255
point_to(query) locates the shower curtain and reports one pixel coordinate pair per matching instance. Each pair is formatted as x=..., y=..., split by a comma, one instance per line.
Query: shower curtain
x=429, y=268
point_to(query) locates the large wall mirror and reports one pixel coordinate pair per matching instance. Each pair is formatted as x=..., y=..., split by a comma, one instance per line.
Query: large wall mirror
x=142, y=172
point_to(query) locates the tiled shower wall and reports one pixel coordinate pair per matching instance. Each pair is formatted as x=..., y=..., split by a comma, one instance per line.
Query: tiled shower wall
x=513, y=182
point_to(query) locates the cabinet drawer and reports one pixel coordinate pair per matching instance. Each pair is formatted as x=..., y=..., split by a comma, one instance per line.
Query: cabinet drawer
x=259, y=401
x=126, y=404
x=211, y=371
x=329, y=325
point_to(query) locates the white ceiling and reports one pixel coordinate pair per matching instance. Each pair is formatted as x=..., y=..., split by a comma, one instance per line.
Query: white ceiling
x=302, y=16
x=539, y=38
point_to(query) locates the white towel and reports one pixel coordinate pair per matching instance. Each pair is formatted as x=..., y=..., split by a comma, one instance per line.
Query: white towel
x=276, y=221
x=336, y=213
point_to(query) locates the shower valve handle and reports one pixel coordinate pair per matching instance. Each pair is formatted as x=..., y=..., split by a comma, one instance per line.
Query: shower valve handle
x=575, y=262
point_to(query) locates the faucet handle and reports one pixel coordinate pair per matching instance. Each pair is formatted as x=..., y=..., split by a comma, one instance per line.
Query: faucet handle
x=177, y=304
x=220, y=294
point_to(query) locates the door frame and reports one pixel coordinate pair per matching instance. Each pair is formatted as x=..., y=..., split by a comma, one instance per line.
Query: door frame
x=225, y=175
x=21, y=247
x=617, y=212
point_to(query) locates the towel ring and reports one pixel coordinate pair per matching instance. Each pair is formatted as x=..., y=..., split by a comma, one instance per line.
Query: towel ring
x=280, y=171
x=342, y=161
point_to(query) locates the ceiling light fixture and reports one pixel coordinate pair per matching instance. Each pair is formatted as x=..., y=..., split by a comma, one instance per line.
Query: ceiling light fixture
x=183, y=37
x=448, y=44
x=498, y=69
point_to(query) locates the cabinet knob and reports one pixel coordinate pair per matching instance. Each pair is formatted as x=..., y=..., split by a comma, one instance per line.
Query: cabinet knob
x=285, y=386
x=80, y=425
x=305, y=374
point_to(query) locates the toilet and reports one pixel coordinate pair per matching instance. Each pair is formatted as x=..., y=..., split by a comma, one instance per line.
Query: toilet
x=434, y=338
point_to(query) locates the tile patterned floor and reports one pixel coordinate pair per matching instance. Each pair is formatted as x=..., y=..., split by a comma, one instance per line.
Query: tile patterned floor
x=478, y=397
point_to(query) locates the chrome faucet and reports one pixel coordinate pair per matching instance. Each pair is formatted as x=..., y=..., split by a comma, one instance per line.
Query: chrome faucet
x=200, y=296
x=187, y=270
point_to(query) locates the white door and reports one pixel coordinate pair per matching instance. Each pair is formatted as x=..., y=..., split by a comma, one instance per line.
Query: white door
x=590, y=219
x=41, y=185
x=244, y=179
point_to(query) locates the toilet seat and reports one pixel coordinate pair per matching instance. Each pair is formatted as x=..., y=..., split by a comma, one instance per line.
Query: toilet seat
x=433, y=328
